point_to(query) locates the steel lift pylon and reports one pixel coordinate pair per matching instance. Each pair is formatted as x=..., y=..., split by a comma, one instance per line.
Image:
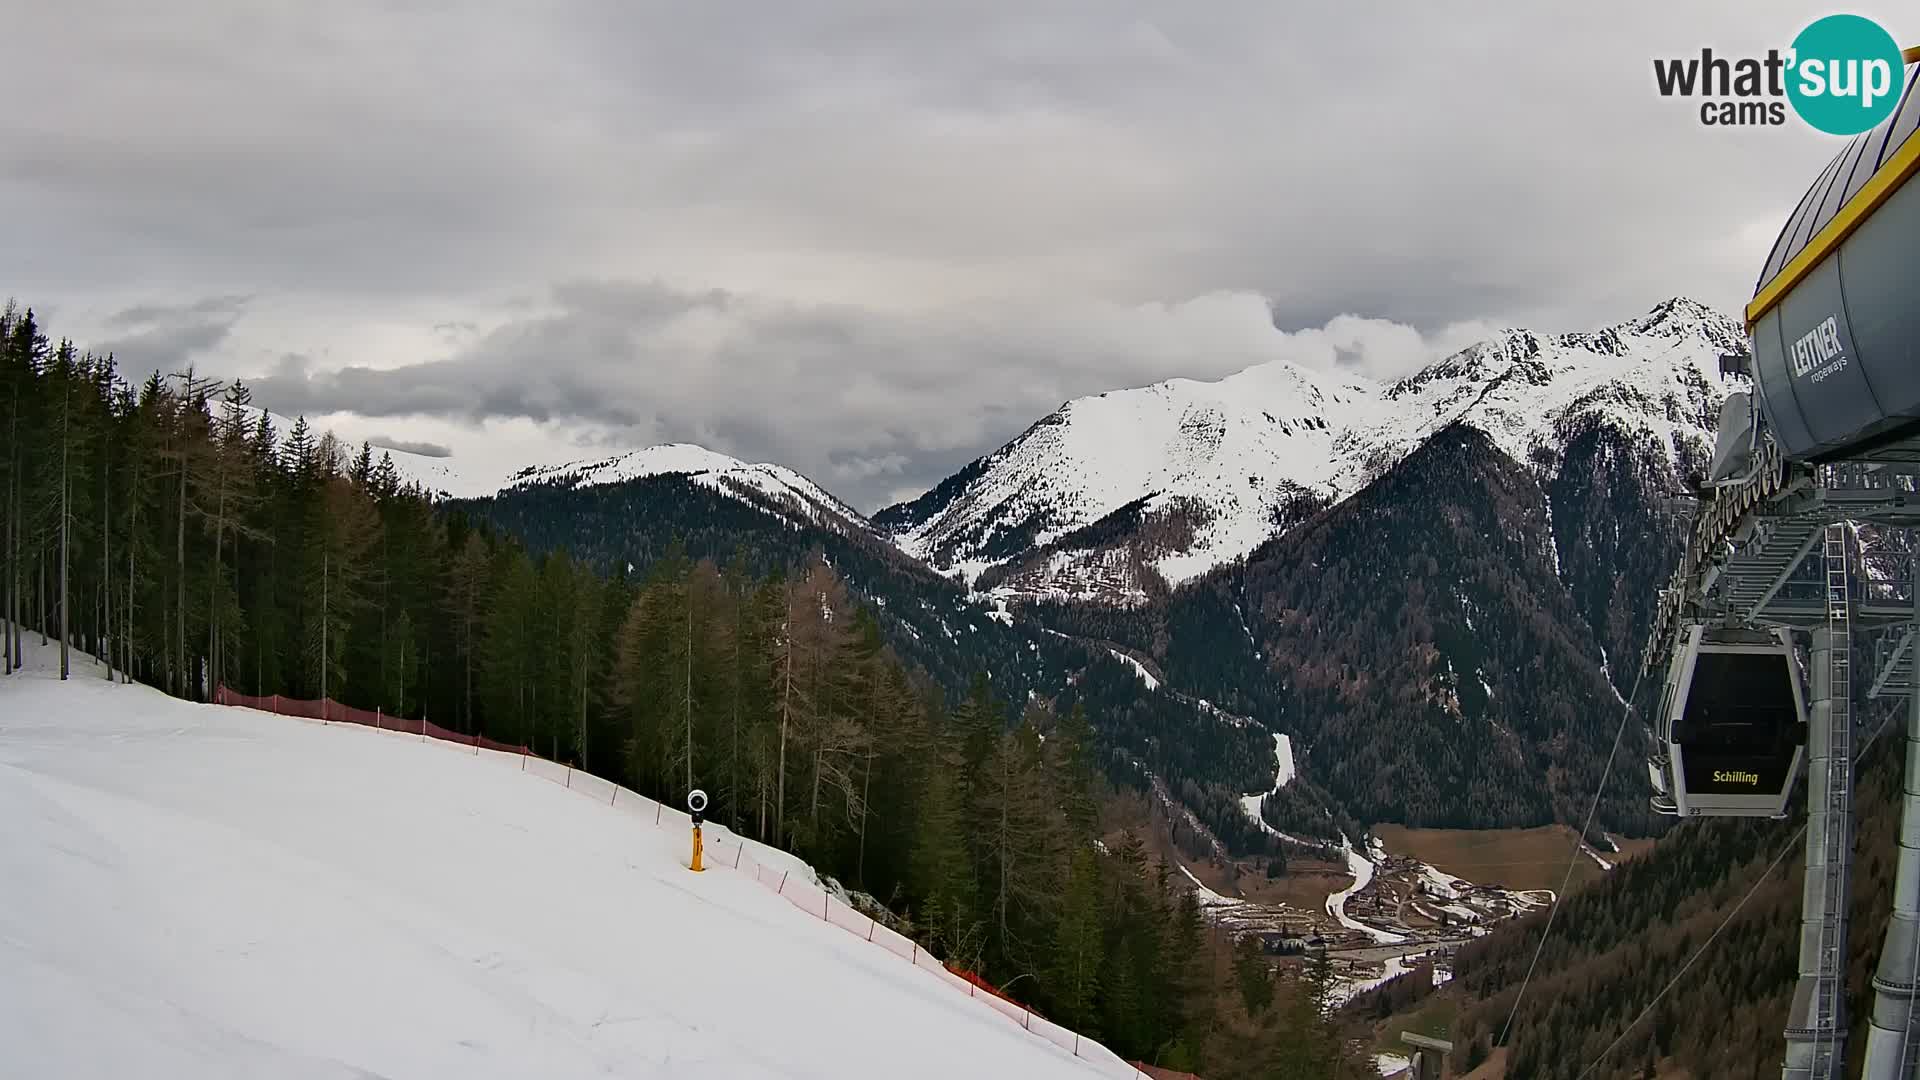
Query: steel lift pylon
x=1789, y=559
x=1821, y=449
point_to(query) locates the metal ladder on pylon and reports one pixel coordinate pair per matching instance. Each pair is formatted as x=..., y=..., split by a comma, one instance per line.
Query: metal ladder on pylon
x=1830, y=1003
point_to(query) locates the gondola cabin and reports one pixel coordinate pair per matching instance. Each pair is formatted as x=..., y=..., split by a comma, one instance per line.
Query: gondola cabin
x=1732, y=727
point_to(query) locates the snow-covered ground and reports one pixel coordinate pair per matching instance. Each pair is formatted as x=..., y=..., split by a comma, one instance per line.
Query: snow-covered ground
x=197, y=891
x=1206, y=897
x=1346, y=989
x=1138, y=669
x=1463, y=901
x=1362, y=870
x=1283, y=772
x=1445, y=886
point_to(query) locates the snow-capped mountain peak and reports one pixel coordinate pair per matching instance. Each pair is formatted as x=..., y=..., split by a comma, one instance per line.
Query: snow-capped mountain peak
x=668, y=458
x=771, y=486
x=1116, y=494
x=1682, y=316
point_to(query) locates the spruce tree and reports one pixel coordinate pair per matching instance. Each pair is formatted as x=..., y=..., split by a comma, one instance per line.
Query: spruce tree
x=1078, y=946
x=1252, y=976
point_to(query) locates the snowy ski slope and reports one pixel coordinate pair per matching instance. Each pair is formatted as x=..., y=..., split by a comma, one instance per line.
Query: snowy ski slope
x=198, y=891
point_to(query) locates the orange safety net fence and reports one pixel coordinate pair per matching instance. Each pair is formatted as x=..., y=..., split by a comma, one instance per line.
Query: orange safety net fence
x=330, y=711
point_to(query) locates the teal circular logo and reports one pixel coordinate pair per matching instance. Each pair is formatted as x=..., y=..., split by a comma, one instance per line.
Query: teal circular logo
x=1845, y=75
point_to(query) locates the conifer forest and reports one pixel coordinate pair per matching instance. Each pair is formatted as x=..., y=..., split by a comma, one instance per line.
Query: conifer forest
x=160, y=528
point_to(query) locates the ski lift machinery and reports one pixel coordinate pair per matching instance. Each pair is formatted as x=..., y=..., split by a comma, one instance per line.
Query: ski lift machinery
x=1834, y=330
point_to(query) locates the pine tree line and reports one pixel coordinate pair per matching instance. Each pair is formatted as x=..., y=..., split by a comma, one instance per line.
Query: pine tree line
x=168, y=533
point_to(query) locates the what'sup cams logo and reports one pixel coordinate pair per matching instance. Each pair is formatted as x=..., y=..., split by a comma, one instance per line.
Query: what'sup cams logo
x=1843, y=75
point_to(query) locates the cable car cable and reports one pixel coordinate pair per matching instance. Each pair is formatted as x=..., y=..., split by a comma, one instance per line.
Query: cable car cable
x=1697, y=953
x=1579, y=841
x=1859, y=756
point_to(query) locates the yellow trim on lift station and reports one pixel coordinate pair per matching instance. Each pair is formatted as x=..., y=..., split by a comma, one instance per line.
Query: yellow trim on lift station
x=1876, y=191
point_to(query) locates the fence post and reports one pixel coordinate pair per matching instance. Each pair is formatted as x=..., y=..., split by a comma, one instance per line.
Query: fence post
x=870, y=925
x=783, y=884
x=825, y=899
x=916, y=954
x=657, y=807
x=378, y=723
x=736, y=854
x=569, y=778
x=1076, y=1044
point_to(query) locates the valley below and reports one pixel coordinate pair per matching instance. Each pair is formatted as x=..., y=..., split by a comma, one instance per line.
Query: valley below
x=1415, y=895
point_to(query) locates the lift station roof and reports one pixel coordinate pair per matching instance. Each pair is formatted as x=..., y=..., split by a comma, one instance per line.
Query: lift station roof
x=1835, y=318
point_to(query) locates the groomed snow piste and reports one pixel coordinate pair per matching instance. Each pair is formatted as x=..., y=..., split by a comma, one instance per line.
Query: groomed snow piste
x=198, y=891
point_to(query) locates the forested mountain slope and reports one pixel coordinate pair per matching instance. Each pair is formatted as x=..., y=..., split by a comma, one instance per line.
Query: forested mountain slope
x=1436, y=609
x=1207, y=759
x=1428, y=643
x=1616, y=945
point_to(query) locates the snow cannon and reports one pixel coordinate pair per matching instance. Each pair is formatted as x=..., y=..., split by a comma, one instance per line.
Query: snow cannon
x=696, y=806
x=1834, y=325
x=1732, y=726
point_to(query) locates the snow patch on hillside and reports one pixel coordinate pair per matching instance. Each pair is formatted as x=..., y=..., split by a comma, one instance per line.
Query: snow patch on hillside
x=1283, y=772
x=1206, y=897
x=1138, y=668
x=1362, y=870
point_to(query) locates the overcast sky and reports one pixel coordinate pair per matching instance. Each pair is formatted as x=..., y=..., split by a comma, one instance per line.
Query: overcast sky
x=870, y=240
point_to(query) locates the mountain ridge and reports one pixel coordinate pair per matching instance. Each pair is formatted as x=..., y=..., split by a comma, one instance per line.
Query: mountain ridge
x=769, y=487
x=1209, y=471
x=1570, y=443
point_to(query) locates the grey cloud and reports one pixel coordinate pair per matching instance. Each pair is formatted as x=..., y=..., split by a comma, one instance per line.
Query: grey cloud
x=227, y=307
x=835, y=231
x=868, y=402
x=1424, y=167
x=165, y=337
x=405, y=446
